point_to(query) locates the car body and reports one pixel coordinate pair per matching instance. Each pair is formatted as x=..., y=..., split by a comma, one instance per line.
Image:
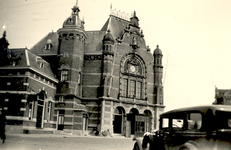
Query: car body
x=192, y=128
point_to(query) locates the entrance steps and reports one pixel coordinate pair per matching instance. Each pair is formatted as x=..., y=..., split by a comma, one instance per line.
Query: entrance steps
x=60, y=132
x=118, y=135
x=37, y=131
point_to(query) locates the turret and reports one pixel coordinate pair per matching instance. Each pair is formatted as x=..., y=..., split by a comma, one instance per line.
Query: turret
x=158, y=75
x=108, y=44
x=72, y=37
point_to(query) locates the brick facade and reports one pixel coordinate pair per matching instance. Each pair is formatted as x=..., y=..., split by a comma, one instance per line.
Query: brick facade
x=76, y=81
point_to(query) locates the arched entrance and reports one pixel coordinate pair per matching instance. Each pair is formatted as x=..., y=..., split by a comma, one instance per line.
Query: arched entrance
x=118, y=122
x=130, y=123
x=148, y=120
x=137, y=124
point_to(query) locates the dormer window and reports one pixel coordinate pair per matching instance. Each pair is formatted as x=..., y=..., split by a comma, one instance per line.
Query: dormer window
x=41, y=65
x=48, y=44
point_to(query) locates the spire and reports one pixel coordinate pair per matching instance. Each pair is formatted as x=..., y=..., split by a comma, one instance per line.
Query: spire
x=74, y=21
x=134, y=20
x=75, y=9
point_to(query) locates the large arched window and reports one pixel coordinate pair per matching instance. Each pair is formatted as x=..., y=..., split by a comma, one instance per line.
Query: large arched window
x=132, y=77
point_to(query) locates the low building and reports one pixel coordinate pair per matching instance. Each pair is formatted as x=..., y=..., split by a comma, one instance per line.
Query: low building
x=222, y=97
x=76, y=81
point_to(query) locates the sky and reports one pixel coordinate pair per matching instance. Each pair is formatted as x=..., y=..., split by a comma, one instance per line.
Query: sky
x=194, y=37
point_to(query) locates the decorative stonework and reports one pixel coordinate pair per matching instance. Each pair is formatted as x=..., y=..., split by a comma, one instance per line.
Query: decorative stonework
x=120, y=14
x=92, y=57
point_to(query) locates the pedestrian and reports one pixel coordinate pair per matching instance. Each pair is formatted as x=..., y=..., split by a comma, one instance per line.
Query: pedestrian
x=2, y=125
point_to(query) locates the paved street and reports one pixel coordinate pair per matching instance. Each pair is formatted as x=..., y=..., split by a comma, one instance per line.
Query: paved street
x=58, y=142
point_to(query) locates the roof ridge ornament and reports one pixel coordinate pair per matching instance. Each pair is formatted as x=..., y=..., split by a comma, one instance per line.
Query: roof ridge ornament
x=119, y=14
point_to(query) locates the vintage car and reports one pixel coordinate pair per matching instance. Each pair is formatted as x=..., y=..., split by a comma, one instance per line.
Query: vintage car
x=191, y=128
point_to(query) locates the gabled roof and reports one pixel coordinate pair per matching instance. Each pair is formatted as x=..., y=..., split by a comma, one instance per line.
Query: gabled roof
x=24, y=59
x=39, y=48
x=116, y=26
x=94, y=42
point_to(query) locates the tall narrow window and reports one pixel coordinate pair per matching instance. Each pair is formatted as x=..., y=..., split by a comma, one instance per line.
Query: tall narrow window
x=31, y=109
x=79, y=84
x=124, y=87
x=60, y=120
x=132, y=88
x=61, y=99
x=64, y=75
x=49, y=111
x=41, y=65
x=138, y=90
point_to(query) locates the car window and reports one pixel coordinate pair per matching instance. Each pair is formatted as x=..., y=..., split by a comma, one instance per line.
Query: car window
x=223, y=120
x=165, y=122
x=177, y=123
x=194, y=121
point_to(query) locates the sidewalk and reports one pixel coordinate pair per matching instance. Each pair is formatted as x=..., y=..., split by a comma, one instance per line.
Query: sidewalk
x=65, y=136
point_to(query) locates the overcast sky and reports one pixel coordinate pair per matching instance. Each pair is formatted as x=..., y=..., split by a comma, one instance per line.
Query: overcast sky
x=194, y=36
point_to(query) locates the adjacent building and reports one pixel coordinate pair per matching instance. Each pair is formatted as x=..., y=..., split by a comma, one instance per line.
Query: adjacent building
x=76, y=81
x=222, y=97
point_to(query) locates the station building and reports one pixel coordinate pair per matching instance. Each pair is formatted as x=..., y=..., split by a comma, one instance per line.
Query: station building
x=75, y=81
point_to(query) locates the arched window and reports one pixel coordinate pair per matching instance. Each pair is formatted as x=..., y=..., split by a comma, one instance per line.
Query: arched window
x=48, y=44
x=64, y=72
x=64, y=75
x=132, y=77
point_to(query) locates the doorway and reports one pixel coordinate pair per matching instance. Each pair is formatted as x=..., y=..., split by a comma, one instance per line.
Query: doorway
x=39, y=116
x=118, y=121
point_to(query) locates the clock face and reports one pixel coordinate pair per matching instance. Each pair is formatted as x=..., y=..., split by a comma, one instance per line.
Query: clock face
x=132, y=68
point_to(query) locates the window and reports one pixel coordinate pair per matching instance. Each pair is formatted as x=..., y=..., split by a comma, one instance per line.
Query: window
x=133, y=76
x=165, y=123
x=48, y=46
x=41, y=65
x=138, y=90
x=61, y=119
x=79, y=90
x=31, y=109
x=124, y=87
x=177, y=123
x=49, y=111
x=61, y=99
x=79, y=78
x=132, y=89
x=64, y=75
x=194, y=121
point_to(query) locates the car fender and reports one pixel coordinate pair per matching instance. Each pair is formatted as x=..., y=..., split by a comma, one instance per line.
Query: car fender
x=139, y=143
x=192, y=145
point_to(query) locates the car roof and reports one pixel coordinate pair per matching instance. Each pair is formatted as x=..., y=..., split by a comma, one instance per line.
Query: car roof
x=198, y=108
